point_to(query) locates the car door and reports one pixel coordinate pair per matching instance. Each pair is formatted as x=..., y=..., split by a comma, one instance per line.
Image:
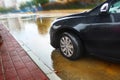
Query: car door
x=103, y=33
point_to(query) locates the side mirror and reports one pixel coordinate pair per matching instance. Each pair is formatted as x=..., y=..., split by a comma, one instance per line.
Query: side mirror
x=104, y=8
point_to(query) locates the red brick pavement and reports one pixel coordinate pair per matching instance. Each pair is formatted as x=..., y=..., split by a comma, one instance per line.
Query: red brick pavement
x=15, y=64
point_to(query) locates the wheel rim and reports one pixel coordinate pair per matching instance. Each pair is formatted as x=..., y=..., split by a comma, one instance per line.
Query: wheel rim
x=66, y=46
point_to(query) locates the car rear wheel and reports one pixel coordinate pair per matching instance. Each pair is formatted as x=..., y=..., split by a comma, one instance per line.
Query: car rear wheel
x=71, y=46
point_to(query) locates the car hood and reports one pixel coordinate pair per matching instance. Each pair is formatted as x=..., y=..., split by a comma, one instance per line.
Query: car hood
x=66, y=20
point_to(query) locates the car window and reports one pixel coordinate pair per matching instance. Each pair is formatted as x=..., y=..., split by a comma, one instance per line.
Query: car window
x=115, y=7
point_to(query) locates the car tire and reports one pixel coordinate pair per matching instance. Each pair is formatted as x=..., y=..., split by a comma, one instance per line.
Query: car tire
x=70, y=46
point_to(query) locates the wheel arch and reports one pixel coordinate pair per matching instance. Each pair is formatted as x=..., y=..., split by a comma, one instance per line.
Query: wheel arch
x=69, y=30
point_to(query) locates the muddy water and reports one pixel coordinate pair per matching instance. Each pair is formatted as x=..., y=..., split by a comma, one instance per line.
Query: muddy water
x=87, y=68
x=34, y=33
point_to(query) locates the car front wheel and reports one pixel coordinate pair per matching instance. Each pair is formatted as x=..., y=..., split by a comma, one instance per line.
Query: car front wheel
x=71, y=46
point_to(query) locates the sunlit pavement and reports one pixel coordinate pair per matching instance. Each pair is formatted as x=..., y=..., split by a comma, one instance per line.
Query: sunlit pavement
x=15, y=64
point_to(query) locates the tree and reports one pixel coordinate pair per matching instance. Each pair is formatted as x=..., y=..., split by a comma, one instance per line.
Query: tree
x=6, y=10
x=27, y=4
x=36, y=2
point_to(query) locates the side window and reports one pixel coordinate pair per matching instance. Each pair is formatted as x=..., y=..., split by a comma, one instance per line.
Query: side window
x=115, y=7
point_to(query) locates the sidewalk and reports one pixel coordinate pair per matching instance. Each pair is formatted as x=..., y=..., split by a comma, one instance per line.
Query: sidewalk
x=15, y=64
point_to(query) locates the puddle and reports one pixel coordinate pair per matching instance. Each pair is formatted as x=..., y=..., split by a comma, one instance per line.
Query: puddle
x=34, y=33
x=87, y=68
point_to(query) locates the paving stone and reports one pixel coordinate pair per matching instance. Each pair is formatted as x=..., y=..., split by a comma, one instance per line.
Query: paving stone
x=24, y=74
x=31, y=66
x=38, y=75
x=26, y=59
x=19, y=65
x=22, y=53
x=15, y=64
x=10, y=74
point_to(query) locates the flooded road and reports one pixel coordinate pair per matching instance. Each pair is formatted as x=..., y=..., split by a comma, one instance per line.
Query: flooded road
x=34, y=33
x=87, y=68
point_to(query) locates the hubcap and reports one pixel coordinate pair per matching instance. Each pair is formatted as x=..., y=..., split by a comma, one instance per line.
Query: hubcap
x=66, y=46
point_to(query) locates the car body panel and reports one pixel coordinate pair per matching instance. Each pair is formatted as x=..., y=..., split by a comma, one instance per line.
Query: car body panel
x=100, y=33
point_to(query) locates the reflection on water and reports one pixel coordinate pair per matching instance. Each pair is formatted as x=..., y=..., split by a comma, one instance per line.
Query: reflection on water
x=34, y=34
x=43, y=25
x=16, y=24
x=85, y=69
